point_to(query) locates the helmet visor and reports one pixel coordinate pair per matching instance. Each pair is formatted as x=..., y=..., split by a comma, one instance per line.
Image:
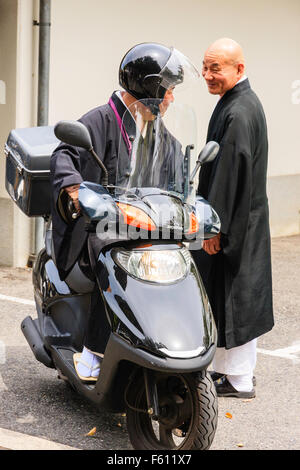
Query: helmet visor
x=179, y=72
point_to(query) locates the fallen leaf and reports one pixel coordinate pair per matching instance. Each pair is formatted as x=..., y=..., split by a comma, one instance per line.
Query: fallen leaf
x=92, y=432
x=228, y=415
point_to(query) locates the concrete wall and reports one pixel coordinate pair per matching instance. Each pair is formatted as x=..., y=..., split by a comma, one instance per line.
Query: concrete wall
x=8, y=61
x=8, y=74
x=284, y=200
x=17, y=59
x=88, y=40
x=27, y=64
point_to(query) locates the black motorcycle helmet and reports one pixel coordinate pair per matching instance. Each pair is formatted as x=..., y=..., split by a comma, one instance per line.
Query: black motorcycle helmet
x=148, y=70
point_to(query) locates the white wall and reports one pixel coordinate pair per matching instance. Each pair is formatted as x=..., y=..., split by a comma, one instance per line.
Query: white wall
x=8, y=39
x=90, y=37
x=16, y=110
x=88, y=41
x=26, y=76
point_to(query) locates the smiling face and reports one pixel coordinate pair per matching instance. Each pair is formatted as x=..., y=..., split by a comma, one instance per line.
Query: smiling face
x=223, y=66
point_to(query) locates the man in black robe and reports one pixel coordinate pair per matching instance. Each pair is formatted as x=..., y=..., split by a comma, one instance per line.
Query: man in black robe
x=236, y=265
x=148, y=72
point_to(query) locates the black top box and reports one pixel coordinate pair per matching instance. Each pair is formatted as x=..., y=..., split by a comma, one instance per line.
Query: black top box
x=27, y=181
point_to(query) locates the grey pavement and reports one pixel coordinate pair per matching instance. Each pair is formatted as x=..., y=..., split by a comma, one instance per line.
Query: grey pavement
x=34, y=402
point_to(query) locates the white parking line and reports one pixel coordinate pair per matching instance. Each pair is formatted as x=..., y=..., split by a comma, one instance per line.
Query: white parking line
x=3, y=387
x=14, y=440
x=286, y=353
x=17, y=299
x=17, y=441
x=2, y=352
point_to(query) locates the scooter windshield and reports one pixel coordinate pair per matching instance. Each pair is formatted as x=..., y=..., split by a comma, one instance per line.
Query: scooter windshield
x=157, y=142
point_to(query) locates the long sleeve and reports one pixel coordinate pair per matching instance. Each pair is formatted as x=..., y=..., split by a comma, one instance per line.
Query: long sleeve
x=231, y=185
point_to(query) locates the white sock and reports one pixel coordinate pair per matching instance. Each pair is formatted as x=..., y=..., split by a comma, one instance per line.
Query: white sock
x=237, y=364
x=90, y=365
x=242, y=383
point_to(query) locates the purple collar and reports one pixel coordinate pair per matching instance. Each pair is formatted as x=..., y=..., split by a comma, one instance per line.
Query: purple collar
x=121, y=125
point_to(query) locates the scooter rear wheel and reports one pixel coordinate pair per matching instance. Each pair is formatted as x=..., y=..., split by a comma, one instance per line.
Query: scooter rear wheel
x=188, y=413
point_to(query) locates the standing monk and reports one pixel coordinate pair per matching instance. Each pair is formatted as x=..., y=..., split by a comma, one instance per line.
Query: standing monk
x=236, y=264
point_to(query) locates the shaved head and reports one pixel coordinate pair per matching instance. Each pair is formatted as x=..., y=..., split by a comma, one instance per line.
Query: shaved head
x=227, y=48
x=223, y=65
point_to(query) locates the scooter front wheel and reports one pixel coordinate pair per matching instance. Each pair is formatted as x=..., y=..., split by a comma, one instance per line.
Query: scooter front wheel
x=188, y=413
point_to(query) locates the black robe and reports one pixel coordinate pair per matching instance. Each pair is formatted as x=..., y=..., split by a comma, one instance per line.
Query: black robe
x=71, y=165
x=238, y=279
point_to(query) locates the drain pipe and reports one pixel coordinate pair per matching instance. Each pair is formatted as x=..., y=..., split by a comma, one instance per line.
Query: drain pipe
x=44, y=60
x=43, y=93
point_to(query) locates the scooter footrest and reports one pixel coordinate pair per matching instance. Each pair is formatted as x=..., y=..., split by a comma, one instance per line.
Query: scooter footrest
x=58, y=340
x=31, y=331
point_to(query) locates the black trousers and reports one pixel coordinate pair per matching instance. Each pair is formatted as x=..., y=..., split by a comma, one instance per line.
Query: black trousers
x=98, y=328
x=211, y=270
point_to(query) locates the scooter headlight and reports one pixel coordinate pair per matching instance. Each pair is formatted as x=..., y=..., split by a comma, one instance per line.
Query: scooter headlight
x=162, y=266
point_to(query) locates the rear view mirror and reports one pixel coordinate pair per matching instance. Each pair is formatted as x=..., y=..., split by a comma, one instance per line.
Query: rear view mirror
x=209, y=152
x=73, y=133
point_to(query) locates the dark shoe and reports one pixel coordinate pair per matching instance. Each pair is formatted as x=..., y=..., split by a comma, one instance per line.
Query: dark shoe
x=216, y=375
x=225, y=389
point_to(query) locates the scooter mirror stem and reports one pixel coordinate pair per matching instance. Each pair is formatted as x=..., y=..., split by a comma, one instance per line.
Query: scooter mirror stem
x=207, y=154
x=194, y=174
x=100, y=163
x=187, y=158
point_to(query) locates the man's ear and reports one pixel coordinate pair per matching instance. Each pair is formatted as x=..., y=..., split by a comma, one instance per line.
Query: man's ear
x=241, y=69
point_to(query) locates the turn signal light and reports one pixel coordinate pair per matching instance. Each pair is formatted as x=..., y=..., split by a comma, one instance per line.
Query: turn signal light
x=136, y=217
x=194, y=224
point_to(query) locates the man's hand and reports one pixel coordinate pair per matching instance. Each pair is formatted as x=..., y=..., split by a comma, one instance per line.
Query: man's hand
x=212, y=246
x=73, y=193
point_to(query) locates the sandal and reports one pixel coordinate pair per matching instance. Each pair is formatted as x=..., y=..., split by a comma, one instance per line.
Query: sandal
x=77, y=359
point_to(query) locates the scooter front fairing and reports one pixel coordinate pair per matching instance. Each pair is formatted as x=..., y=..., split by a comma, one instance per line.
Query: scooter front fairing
x=171, y=320
x=153, y=295
x=142, y=224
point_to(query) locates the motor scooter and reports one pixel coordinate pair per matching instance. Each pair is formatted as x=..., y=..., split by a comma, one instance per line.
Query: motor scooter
x=163, y=335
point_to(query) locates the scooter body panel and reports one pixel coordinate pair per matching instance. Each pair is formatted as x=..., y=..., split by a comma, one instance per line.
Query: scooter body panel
x=154, y=316
x=62, y=313
x=122, y=361
x=164, y=327
x=141, y=337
